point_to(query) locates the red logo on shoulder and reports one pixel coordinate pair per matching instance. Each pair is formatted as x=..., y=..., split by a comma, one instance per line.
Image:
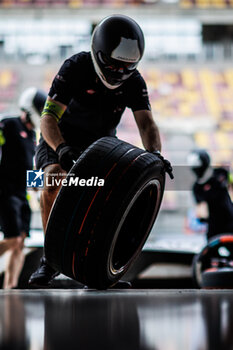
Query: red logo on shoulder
x=207, y=187
x=23, y=134
x=91, y=91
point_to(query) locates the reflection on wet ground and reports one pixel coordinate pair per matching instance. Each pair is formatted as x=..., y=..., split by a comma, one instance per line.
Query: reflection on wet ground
x=116, y=320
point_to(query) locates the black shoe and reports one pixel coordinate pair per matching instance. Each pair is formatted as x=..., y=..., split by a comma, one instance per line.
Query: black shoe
x=43, y=276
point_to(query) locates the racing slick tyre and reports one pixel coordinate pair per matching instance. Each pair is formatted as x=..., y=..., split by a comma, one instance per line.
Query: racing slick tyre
x=218, y=278
x=96, y=232
x=216, y=254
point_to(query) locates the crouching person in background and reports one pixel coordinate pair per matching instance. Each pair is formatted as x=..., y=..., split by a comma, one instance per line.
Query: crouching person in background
x=17, y=148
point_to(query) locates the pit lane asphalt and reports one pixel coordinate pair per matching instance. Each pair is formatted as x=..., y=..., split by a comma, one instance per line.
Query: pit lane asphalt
x=116, y=319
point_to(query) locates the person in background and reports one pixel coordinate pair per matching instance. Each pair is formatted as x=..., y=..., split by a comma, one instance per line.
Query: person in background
x=17, y=149
x=211, y=193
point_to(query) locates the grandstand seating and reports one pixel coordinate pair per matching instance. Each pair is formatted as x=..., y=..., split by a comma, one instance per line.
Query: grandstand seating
x=203, y=4
x=8, y=88
x=202, y=93
x=192, y=95
x=187, y=4
x=69, y=3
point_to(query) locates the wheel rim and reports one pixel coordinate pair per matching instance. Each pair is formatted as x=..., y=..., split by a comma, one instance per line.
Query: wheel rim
x=134, y=227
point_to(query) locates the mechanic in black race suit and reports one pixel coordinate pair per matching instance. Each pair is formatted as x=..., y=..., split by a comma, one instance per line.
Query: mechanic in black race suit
x=211, y=188
x=86, y=101
x=17, y=149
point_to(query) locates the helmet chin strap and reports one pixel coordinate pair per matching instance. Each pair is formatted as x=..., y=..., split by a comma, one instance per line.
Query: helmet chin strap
x=101, y=76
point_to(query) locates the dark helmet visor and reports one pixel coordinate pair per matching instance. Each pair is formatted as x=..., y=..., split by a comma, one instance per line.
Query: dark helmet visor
x=113, y=65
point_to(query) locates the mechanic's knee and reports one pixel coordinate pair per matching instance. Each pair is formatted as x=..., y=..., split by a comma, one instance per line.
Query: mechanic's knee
x=17, y=243
x=53, y=177
x=20, y=243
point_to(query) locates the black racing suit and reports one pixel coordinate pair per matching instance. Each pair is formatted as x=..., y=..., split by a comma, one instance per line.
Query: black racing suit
x=215, y=193
x=17, y=151
x=93, y=110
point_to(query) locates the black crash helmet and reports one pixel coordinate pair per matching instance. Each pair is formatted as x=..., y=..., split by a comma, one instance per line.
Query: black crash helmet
x=117, y=47
x=199, y=161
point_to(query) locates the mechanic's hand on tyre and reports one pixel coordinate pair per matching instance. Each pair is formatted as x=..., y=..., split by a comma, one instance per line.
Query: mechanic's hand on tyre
x=66, y=156
x=167, y=164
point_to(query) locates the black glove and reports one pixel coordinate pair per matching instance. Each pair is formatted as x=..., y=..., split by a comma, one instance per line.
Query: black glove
x=167, y=164
x=66, y=156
